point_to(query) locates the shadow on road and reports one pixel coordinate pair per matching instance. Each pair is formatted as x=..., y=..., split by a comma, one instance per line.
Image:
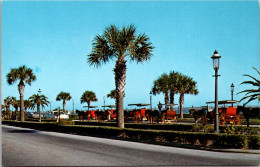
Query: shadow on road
x=22, y=131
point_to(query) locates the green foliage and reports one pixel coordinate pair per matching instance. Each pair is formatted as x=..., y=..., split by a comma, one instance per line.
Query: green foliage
x=73, y=116
x=200, y=128
x=251, y=94
x=254, y=142
x=65, y=122
x=148, y=135
x=240, y=130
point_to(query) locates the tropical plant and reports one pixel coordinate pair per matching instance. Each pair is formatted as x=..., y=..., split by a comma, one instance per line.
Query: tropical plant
x=251, y=94
x=162, y=85
x=112, y=94
x=27, y=104
x=87, y=97
x=38, y=100
x=65, y=97
x=22, y=75
x=7, y=103
x=120, y=44
x=16, y=104
x=186, y=85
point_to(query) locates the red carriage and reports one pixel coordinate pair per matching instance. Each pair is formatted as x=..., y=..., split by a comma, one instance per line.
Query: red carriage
x=138, y=114
x=227, y=114
x=110, y=113
x=167, y=114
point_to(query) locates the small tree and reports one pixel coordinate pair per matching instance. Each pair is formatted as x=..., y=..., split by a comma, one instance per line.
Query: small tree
x=65, y=97
x=38, y=100
x=87, y=97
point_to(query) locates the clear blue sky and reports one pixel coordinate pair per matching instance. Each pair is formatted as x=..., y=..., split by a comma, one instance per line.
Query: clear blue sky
x=54, y=39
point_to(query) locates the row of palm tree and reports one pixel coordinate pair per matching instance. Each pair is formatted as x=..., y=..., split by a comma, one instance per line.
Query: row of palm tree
x=172, y=84
x=118, y=44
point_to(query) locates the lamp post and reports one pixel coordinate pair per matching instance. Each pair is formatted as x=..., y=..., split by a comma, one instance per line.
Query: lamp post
x=216, y=58
x=151, y=99
x=39, y=93
x=232, y=92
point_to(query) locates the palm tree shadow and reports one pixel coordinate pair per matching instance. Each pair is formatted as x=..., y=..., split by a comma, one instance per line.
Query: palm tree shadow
x=23, y=131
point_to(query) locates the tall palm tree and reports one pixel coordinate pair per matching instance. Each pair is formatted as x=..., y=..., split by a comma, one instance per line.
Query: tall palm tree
x=186, y=85
x=162, y=85
x=87, y=97
x=22, y=75
x=120, y=44
x=251, y=94
x=112, y=94
x=65, y=97
x=38, y=100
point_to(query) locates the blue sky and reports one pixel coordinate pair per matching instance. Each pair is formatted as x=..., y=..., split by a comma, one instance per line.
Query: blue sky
x=54, y=39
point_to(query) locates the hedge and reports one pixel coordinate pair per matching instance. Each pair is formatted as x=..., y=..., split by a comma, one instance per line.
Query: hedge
x=146, y=135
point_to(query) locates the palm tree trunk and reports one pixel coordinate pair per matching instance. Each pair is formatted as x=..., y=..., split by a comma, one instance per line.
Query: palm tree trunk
x=38, y=108
x=120, y=81
x=166, y=98
x=64, y=104
x=172, y=98
x=21, y=92
x=181, y=104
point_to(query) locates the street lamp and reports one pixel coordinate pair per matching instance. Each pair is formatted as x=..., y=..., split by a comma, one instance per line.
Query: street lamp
x=232, y=92
x=151, y=99
x=216, y=58
x=39, y=93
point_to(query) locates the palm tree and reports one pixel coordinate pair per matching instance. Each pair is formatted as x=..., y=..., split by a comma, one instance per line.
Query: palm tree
x=120, y=44
x=27, y=104
x=186, y=85
x=16, y=104
x=87, y=97
x=252, y=94
x=65, y=97
x=162, y=85
x=112, y=94
x=38, y=100
x=23, y=75
x=7, y=103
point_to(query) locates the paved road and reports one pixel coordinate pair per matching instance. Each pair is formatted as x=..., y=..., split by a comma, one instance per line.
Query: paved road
x=27, y=147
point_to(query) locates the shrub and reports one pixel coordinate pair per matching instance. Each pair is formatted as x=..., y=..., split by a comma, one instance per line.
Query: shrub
x=196, y=138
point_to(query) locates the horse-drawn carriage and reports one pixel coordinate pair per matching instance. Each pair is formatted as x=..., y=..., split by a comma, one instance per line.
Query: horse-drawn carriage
x=227, y=114
x=138, y=114
x=109, y=114
x=167, y=114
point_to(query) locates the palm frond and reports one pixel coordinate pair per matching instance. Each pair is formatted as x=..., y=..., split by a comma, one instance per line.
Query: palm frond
x=141, y=49
x=250, y=82
x=257, y=81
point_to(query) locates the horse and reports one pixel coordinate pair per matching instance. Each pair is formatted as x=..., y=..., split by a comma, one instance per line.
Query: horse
x=249, y=112
x=152, y=115
x=81, y=115
x=199, y=114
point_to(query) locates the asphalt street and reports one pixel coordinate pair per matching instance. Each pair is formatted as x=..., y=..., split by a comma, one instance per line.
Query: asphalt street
x=28, y=147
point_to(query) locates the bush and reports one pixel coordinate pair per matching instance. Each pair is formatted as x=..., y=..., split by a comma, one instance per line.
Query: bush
x=254, y=142
x=148, y=135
